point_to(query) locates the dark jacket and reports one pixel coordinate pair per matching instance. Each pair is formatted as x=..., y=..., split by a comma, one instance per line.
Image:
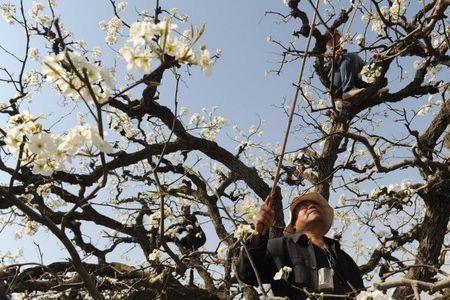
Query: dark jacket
x=195, y=236
x=296, y=252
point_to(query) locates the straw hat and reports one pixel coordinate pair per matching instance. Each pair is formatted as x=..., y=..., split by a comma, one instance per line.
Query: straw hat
x=313, y=197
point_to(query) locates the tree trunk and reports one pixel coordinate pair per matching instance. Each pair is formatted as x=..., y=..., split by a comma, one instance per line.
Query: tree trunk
x=328, y=159
x=431, y=237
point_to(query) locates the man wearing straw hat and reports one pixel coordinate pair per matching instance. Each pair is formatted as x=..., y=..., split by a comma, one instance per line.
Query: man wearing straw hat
x=304, y=260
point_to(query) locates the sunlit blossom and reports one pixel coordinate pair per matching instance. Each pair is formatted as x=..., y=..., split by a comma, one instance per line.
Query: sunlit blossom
x=136, y=58
x=283, y=273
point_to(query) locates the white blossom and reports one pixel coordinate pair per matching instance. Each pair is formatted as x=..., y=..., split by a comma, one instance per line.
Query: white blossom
x=342, y=199
x=121, y=6
x=35, y=9
x=184, y=111
x=372, y=295
x=425, y=109
x=136, y=58
x=42, y=167
x=157, y=40
x=43, y=144
x=7, y=12
x=397, y=9
x=96, y=52
x=244, y=232
x=44, y=20
x=113, y=27
x=84, y=135
x=44, y=189
x=70, y=85
x=114, y=24
x=150, y=137
x=433, y=71
x=283, y=273
x=172, y=232
x=164, y=27
x=173, y=46
x=367, y=16
x=33, y=54
x=141, y=33
x=370, y=73
x=345, y=39
x=321, y=104
x=196, y=119
x=31, y=227
x=248, y=208
x=102, y=25
x=359, y=40
x=155, y=255
x=211, y=130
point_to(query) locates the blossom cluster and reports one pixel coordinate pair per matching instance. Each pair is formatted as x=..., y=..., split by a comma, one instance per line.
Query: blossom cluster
x=370, y=73
x=398, y=8
x=372, y=295
x=35, y=9
x=345, y=39
x=48, y=152
x=33, y=54
x=75, y=77
x=9, y=258
x=121, y=6
x=30, y=228
x=114, y=27
x=424, y=110
x=211, y=125
x=283, y=273
x=154, y=220
x=294, y=157
x=244, y=232
x=403, y=188
x=149, y=40
x=377, y=22
x=392, y=13
x=32, y=78
x=44, y=189
x=123, y=123
x=155, y=255
x=7, y=12
x=35, y=12
x=344, y=217
x=248, y=208
x=360, y=39
x=440, y=37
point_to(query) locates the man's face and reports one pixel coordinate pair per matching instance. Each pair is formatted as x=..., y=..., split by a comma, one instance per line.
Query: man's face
x=308, y=214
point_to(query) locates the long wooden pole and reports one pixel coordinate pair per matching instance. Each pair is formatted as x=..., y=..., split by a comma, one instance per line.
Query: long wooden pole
x=294, y=102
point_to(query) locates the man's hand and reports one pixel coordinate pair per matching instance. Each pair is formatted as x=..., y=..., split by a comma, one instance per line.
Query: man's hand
x=265, y=218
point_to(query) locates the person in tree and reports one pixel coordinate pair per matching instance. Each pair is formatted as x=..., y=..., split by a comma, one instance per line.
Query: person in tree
x=302, y=259
x=346, y=69
x=193, y=235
